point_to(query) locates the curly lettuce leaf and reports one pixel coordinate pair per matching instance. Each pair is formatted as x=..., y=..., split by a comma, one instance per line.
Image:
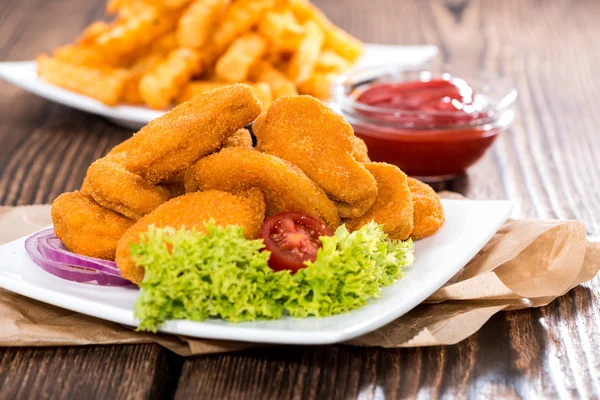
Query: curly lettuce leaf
x=350, y=269
x=195, y=276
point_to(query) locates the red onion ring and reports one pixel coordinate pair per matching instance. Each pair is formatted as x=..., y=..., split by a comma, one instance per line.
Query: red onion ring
x=52, y=248
x=76, y=273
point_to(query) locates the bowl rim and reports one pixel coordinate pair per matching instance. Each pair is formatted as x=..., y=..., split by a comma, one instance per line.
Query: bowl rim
x=348, y=105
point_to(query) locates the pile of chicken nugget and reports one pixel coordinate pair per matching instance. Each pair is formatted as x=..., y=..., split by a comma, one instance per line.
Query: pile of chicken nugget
x=197, y=163
x=160, y=52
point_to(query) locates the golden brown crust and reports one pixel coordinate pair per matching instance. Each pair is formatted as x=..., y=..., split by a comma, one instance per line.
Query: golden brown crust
x=241, y=138
x=172, y=143
x=360, y=152
x=286, y=187
x=193, y=210
x=121, y=147
x=117, y=189
x=428, y=209
x=393, y=207
x=305, y=132
x=85, y=227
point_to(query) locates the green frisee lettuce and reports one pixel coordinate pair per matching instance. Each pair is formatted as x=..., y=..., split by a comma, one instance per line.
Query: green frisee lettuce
x=195, y=276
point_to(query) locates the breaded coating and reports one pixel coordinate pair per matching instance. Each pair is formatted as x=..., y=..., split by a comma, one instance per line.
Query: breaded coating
x=86, y=228
x=241, y=138
x=121, y=191
x=121, y=147
x=191, y=211
x=428, y=209
x=307, y=133
x=85, y=186
x=360, y=152
x=172, y=143
x=393, y=207
x=286, y=187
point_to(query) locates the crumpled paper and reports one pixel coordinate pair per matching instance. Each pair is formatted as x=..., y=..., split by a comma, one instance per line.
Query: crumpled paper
x=528, y=263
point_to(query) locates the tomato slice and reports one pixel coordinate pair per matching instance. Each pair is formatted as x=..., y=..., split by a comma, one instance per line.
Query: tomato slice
x=293, y=238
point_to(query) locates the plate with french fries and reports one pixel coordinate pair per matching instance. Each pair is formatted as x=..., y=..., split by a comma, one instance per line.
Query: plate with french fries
x=159, y=53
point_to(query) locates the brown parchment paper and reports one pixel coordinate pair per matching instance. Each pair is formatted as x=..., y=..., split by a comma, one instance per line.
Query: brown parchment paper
x=528, y=263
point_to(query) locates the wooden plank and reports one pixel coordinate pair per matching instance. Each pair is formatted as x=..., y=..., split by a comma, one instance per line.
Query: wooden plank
x=96, y=372
x=45, y=149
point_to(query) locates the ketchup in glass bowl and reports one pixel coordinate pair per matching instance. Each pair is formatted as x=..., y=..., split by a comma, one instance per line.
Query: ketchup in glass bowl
x=432, y=124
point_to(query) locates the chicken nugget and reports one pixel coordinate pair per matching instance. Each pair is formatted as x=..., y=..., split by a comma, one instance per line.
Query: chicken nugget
x=360, y=152
x=307, y=133
x=286, y=187
x=86, y=228
x=241, y=138
x=121, y=191
x=393, y=207
x=172, y=143
x=193, y=210
x=428, y=209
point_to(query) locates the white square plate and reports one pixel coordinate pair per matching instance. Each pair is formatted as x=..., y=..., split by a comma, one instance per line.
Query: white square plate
x=469, y=225
x=24, y=75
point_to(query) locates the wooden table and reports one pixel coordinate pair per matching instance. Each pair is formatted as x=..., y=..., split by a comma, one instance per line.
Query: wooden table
x=547, y=163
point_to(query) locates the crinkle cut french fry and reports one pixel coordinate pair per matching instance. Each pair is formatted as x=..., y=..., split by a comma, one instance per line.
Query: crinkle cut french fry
x=319, y=85
x=304, y=60
x=280, y=84
x=131, y=93
x=335, y=38
x=197, y=22
x=105, y=85
x=175, y=3
x=89, y=34
x=239, y=18
x=330, y=61
x=263, y=92
x=113, y=6
x=83, y=55
x=159, y=87
x=164, y=44
x=282, y=30
x=129, y=9
x=234, y=65
x=132, y=35
x=194, y=88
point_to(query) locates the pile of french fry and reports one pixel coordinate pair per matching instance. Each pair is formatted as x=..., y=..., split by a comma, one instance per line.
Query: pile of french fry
x=164, y=52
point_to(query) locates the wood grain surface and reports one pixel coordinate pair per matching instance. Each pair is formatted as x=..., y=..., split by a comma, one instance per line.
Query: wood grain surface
x=547, y=163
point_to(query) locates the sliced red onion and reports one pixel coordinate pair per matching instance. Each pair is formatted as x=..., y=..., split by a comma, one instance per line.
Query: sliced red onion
x=34, y=244
x=52, y=248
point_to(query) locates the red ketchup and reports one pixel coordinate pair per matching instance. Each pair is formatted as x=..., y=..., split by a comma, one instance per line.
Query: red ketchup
x=432, y=129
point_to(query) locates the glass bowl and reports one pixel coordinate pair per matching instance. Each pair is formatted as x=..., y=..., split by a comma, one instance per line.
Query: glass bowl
x=430, y=145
